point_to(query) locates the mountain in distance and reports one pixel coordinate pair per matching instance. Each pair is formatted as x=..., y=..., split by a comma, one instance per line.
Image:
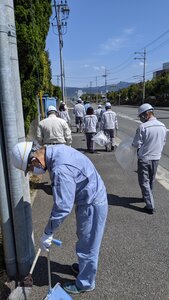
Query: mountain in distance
x=72, y=92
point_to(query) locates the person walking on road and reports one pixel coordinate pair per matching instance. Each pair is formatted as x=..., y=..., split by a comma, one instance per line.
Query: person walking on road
x=74, y=181
x=63, y=113
x=53, y=130
x=79, y=112
x=109, y=124
x=90, y=124
x=86, y=105
x=98, y=112
x=149, y=139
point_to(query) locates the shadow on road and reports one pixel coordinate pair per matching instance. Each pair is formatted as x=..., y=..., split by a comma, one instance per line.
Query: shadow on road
x=127, y=202
x=45, y=186
x=56, y=268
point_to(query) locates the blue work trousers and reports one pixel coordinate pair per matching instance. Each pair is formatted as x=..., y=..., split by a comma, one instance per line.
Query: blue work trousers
x=146, y=176
x=91, y=221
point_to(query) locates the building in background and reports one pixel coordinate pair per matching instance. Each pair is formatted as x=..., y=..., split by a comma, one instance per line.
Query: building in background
x=165, y=69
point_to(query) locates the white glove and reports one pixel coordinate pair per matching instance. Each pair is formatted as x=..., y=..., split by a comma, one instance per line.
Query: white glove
x=46, y=241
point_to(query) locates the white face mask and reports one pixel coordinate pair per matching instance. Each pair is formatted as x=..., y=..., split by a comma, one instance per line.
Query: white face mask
x=38, y=171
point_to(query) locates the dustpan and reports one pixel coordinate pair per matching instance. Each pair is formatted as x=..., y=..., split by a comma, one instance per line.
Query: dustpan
x=57, y=292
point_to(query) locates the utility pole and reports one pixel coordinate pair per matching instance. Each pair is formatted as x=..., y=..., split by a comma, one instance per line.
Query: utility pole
x=61, y=14
x=58, y=80
x=96, y=91
x=105, y=76
x=119, y=97
x=18, y=208
x=90, y=89
x=143, y=57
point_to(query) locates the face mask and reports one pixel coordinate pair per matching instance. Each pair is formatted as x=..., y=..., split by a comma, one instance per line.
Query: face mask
x=143, y=119
x=38, y=171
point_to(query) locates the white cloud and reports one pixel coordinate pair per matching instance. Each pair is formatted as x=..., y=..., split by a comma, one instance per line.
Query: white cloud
x=128, y=31
x=85, y=66
x=112, y=44
x=96, y=68
x=93, y=67
x=116, y=43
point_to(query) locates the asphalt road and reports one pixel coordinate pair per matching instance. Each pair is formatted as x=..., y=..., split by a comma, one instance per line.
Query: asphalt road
x=133, y=262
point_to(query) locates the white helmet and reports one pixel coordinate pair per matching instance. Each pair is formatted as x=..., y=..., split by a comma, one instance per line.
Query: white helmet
x=51, y=108
x=144, y=107
x=108, y=104
x=99, y=106
x=20, y=154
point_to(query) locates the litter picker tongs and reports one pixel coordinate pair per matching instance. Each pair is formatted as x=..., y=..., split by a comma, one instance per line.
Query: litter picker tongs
x=57, y=292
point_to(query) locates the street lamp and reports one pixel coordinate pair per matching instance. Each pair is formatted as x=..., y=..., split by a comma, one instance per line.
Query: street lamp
x=61, y=15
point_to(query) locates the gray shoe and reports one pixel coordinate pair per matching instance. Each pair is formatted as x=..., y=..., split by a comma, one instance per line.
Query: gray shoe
x=71, y=288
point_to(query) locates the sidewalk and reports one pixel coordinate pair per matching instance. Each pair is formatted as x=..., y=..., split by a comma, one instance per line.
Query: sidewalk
x=133, y=261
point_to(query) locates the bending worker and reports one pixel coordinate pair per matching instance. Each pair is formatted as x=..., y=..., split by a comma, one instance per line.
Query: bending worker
x=149, y=139
x=53, y=130
x=74, y=181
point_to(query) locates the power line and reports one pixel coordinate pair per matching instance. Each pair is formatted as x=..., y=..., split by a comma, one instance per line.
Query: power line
x=162, y=44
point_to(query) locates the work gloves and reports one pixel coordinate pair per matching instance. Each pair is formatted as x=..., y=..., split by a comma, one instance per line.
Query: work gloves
x=46, y=241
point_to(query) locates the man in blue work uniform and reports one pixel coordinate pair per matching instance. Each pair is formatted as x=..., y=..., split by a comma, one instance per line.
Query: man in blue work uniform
x=74, y=181
x=149, y=139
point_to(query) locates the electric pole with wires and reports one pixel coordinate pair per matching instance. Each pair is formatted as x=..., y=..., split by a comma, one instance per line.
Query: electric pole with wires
x=143, y=57
x=61, y=15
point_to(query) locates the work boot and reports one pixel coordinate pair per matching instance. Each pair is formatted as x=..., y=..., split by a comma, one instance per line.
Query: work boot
x=71, y=288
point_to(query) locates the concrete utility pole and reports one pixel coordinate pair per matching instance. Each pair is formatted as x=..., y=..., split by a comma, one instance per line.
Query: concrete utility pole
x=16, y=87
x=119, y=97
x=143, y=57
x=12, y=121
x=105, y=76
x=91, y=89
x=61, y=14
x=58, y=80
x=96, y=91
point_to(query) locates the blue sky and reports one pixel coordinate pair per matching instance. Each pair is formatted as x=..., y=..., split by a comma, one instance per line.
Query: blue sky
x=104, y=35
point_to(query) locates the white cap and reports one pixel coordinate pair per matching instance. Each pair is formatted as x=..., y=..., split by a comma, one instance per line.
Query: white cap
x=99, y=106
x=108, y=104
x=144, y=107
x=51, y=108
x=20, y=154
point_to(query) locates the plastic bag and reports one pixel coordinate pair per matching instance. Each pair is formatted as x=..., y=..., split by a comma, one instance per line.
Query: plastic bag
x=101, y=139
x=126, y=155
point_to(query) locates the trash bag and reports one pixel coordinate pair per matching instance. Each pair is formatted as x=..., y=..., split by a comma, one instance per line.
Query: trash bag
x=101, y=139
x=126, y=155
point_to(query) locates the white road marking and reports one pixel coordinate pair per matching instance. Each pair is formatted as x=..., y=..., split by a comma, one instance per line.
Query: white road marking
x=163, y=177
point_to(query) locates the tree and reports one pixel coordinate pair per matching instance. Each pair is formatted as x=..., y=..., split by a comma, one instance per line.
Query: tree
x=32, y=25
